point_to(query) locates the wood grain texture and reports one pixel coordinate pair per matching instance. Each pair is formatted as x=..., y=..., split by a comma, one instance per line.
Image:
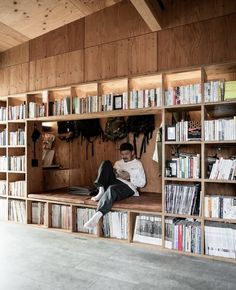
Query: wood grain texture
x=196, y=44
x=4, y=81
x=18, y=78
x=10, y=37
x=116, y=22
x=64, y=39
x=16, y=55
x=42, y=74
x=114, y=59
x=75, y=31
x=92, y=63
x=143, y=54
x=182, y=12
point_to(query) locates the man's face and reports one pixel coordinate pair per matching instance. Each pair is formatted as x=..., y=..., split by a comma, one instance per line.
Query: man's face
x=126, y=155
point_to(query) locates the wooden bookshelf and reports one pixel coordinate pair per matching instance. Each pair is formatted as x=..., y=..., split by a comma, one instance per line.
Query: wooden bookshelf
x=200, y=111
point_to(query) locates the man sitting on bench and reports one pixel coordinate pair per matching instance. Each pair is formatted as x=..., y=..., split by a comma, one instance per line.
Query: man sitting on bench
x=117, y=183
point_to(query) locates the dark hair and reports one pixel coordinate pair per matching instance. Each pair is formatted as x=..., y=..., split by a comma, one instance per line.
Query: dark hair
x=126, y=146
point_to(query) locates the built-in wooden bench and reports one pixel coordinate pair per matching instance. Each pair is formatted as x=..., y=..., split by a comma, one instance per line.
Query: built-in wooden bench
x=146, y=202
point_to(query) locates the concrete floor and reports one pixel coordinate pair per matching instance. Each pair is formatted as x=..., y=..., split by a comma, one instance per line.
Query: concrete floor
x=33, y=258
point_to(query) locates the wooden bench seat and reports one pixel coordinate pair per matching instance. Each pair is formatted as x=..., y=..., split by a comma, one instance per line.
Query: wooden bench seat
x=146, y=202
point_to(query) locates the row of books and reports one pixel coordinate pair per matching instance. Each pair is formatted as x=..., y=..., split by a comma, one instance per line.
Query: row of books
x=224, y=169
x=184, y=166
x=13, y=163
x=16, y=163
x=189, y=94
x=217, y=206
x=183, y=235
x=3, y=113
x=3, y=187
x=3, y=209
x=16, y=112
x=185, y=131
x=61, y=216
x=148, y=98
x=17, y=137
x=17, y=211
x=38, y=213
x=221, y=129
x=3, y=138
x=148, y=229
x=214, y=91
x=59, y=107
x=183, y=199
x=83, y=215
x=115, y=225
x=218, y=90
x=220, y=239
x=36, y=110
x=17, y=188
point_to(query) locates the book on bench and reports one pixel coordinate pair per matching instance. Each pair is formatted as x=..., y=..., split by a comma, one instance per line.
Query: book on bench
x=81, y=190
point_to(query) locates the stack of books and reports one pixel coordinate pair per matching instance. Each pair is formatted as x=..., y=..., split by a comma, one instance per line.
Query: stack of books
x=220, y=239
x=16, y=112
x=3, y=139
x=17, y=138
x=183, y=199
x=214, y=91
x=224, y=169
x=189, y=94
x=17, y=211
x=217, y=206
x=83, y=215
x=148, y=98
x=17, y=188
x=38, y=213
x=230, y=90
x=3, y=187
x=59, y=107
x=221, y=129
x=115, y=225
x=16, y=163
x=183, y=235
x=148, y=229
x=3, y=209
x=3, y=163
x=36, y=110
x=61, y=216
x=3, y=111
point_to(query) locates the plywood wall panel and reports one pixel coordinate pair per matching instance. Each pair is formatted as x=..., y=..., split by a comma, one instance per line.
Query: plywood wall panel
x=42, y=73
x=38, y=47
x=181, y=12
x=19, y=78
x=70, y=68
x=223, y=42
x=75, y=31
x=182, y=46
x=114, y=23
x=143, y=54
x=92, y=63
x=4, y=81
x=114, y=57
x=57, y=41
x=16, y=55
x=199, y=43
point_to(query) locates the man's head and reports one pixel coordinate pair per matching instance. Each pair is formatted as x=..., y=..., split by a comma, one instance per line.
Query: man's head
x=126, y=151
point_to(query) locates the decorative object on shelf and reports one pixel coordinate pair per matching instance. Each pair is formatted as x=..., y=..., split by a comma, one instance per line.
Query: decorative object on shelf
x=171, y=168
x=170, y=133
x=118, y=102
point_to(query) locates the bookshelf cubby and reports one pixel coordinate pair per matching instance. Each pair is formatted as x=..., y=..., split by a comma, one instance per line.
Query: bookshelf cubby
x=37, y=104
x=189, y=98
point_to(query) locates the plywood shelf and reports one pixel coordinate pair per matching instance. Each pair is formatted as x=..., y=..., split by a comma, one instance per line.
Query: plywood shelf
x=184, y=142
x=115, y=113
x=219, y=181
x=182, y=216
x=232, y=221
x=183, y=179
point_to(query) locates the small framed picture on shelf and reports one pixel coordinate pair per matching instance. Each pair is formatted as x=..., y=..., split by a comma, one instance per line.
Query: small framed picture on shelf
x=170, y=133
x=171, y=168
x=118, y=102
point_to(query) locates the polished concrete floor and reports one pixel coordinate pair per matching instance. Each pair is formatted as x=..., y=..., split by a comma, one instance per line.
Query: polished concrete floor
x=33, y=258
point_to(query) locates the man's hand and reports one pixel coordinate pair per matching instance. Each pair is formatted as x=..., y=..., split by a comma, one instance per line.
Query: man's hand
x=123, y=174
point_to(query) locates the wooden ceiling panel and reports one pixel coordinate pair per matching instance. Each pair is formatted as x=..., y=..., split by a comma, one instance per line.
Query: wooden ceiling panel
x=10, y=37
x=21, y=20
